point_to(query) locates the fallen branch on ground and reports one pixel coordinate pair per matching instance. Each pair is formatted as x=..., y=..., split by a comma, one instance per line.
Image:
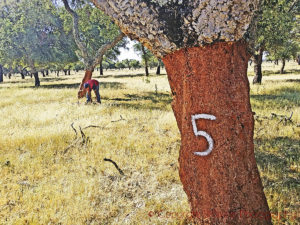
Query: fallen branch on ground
x=121, y=118
x=284, y=118
x=115, y=164
x=77, y=141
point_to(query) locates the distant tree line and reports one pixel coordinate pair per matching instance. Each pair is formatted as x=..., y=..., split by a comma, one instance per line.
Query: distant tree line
x=39, y=36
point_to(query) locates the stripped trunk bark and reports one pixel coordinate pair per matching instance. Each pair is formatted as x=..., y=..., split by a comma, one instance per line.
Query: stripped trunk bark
x=87, y=76
x=224, y=187
x=257, y=67
x=211, y=99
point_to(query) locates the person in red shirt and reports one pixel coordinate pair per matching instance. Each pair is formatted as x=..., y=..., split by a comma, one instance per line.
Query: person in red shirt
x=88, y=87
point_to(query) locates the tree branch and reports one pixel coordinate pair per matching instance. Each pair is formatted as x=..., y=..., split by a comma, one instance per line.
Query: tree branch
x=75, y=17
x=115, y=164
x=102, y=50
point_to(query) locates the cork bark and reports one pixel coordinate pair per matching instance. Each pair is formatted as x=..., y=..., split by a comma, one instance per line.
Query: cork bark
x=202, y=44
x=87, y=76
x=223, y=187
x=165, y=26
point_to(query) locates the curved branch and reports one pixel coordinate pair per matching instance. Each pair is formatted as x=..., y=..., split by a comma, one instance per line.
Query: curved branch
x=75, y=17
x=101, y=51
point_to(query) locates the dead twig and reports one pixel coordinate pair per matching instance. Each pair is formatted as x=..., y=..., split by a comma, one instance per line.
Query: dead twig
x=93, y=126
x=286, y=119
x=74, y=129
x=115, y=164
x=84, y=138
x=121, y=118
x=77, y=141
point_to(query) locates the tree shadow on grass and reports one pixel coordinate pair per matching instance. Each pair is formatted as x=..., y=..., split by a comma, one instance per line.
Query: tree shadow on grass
x=129, y=75
x=272, y=72
x=143, y=101
x=103, y=85
x=282, y=97
x=293, y=80
x=277, y=155
x=54, y=79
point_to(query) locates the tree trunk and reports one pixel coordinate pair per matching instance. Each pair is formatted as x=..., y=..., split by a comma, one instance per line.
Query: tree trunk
x=158, y=68
x=101, y=69
x=87, y=76
x=65, y=71
x=36, y=79
x=257, y=67
x=57, y=73
x=22, y=75
x=211, y=94
x=146, y=61
x=69, y=72
x=282, y=67
x=43, y=73
x=47, y=72
x=1, y=74
x=9, y=75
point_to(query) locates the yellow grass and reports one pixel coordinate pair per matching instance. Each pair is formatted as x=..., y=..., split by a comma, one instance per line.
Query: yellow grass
x=43, y=183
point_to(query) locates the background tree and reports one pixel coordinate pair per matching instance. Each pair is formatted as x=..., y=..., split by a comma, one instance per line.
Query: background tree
x=202, y=46
x=135, y=64
x=30, y=35
x=145, y=54
x=274, y=33
x=93, y=39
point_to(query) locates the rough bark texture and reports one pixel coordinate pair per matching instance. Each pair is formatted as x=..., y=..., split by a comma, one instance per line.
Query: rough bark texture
x=257, y=68
x=1, y=74
x=165, y=26
x=224, y=186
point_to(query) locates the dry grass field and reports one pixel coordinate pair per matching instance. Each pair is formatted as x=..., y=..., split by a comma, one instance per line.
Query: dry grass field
x=51, y=175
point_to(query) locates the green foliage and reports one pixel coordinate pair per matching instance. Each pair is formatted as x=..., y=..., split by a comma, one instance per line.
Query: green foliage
x=134, y=64
x=96, y=29
x=120, y=65
x=31, y=34
x=276, y=31
x=146, y=55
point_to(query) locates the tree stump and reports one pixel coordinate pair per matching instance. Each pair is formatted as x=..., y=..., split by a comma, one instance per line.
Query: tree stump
x=203, y=45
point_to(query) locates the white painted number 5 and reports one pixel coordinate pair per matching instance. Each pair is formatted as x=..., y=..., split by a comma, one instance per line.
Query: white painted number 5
x=197, y=132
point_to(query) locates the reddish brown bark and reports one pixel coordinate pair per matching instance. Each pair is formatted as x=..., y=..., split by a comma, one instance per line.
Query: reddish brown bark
x=223, y=187
x=87, y=76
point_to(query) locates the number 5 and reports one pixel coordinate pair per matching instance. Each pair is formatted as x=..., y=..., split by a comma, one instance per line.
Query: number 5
x=197, y=132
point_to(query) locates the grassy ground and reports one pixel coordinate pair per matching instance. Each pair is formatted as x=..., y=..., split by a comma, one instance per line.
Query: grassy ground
x=48, y=175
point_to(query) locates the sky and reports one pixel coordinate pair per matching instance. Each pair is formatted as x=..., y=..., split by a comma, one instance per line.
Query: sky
x=128, y=54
